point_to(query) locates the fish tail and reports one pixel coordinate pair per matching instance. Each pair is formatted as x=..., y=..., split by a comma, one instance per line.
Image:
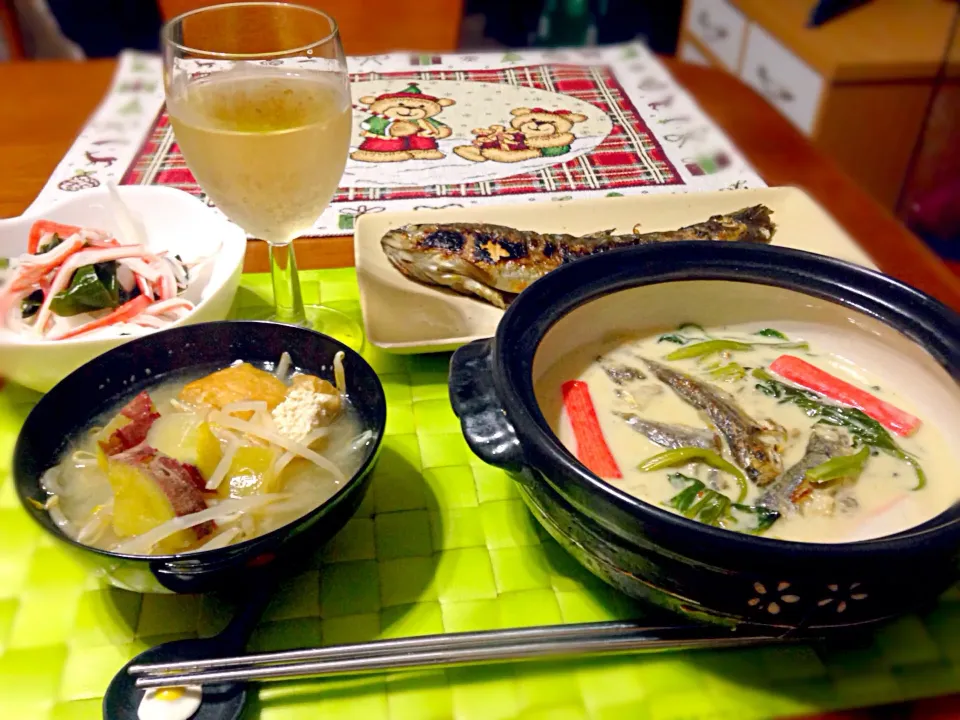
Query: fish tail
x=758, y=227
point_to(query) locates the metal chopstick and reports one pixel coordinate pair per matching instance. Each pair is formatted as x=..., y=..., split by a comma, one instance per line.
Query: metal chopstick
x=628, y=638
x=386, y=647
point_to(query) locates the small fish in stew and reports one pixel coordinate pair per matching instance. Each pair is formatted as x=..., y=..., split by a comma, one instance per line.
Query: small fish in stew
x=752, y=430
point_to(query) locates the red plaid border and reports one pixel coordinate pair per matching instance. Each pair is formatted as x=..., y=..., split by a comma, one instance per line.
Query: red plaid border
x=160, y=162
x=629, y=156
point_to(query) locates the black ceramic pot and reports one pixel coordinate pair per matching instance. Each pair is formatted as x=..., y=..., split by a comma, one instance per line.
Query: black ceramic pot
x=70, y=407
x=649, y=552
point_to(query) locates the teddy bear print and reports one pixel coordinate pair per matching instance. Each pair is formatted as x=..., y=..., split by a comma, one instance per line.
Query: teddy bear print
x=402, y=126
x=533, y=132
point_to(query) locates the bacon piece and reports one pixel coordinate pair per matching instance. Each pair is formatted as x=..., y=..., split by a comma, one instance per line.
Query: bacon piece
x=182, y=483
x=137, y=455
x=186, y=471
x=141, y=413
x=140, y=406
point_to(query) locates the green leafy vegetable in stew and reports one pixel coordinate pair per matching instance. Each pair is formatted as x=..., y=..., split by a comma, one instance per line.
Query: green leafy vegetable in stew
x=731, y=372
x=863, y=427
x=842, y=466
x=684, y=455
x=707, y=347
x=698, y=502
x=698, y=344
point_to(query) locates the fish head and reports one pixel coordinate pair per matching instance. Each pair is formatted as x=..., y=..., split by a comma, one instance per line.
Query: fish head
x=763, y=465
x=433, y=256
x=405, y=251
x=413, y=246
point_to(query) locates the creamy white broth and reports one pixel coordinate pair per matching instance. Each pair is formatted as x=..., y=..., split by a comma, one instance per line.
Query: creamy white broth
x=882, y=501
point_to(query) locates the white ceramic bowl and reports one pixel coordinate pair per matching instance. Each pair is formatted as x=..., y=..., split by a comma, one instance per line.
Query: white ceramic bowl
x=175, y=221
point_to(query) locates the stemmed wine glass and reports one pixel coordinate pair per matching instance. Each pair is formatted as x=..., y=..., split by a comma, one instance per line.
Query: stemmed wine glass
x=259, y=98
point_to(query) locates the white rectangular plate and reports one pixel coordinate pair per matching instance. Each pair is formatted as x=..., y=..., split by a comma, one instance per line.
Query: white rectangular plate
x=404, y=316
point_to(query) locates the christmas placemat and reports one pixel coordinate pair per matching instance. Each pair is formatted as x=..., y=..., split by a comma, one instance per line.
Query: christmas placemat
x=489, y=128
x=441, y=543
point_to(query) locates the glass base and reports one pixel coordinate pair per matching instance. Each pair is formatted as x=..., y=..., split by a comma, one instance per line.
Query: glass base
x=323, y=319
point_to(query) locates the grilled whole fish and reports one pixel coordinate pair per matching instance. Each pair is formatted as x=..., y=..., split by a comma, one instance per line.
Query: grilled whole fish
x=671, y=436
x=824, y=443
x=493, y=262
x=758, y=459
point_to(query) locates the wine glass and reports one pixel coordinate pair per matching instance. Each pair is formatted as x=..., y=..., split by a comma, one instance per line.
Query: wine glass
x=259, y=99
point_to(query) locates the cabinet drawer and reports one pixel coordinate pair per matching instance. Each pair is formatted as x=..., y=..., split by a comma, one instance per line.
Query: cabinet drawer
x=720, y=27
x=689, y=52
x=787, y=82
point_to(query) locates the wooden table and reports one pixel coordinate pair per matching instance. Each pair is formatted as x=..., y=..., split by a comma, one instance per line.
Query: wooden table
x=44, y=104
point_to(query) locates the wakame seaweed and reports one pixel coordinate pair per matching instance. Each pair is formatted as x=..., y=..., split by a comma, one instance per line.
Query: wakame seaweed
x=93, y=287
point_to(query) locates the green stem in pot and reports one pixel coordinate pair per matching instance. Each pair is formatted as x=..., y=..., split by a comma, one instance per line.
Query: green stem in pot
x=708, y=347
x=839, y=467
x=698, y=502
x=685, y=455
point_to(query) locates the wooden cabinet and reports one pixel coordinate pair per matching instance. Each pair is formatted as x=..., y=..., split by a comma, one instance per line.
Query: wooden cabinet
x=719, y=27
x=858, y=86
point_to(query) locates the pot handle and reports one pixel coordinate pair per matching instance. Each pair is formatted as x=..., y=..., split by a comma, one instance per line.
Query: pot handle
x=482, y=418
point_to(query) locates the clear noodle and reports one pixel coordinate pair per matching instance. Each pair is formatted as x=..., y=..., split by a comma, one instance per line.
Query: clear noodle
x=287, y=444
x=220, y=513
x=305, y=473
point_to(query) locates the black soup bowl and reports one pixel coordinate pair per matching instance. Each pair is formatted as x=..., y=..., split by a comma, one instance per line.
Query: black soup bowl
x=650, y=553
x=81, y=398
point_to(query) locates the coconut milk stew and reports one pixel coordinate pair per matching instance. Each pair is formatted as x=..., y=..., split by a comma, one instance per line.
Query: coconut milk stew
x=751, y=429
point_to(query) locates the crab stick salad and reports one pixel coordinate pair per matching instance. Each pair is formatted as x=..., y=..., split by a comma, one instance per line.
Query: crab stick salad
x=74, y=282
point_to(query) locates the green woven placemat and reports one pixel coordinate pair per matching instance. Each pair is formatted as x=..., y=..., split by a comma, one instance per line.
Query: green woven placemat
x=441, y=543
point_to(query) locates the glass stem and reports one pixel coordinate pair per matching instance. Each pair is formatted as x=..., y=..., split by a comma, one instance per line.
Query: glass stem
x=286, y=285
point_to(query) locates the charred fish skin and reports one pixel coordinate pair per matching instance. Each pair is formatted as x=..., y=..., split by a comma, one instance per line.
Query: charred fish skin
x=503, y=258
x=823, y=445
x=752, y=224
x=758, y=459
x=671, y=437
x=437, y=257
x=493, y=262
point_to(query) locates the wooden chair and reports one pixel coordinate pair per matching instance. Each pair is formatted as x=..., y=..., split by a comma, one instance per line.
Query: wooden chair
x=369, y=27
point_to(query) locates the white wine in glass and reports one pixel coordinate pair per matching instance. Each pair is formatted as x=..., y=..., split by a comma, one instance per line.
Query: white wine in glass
x=259, y=99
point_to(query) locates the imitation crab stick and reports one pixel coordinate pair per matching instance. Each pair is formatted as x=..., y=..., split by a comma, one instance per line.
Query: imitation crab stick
x=74, y=263
x=166, y=306
x=813, y=378
x=43, y=227
x=124, y=313
x=592, y=449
